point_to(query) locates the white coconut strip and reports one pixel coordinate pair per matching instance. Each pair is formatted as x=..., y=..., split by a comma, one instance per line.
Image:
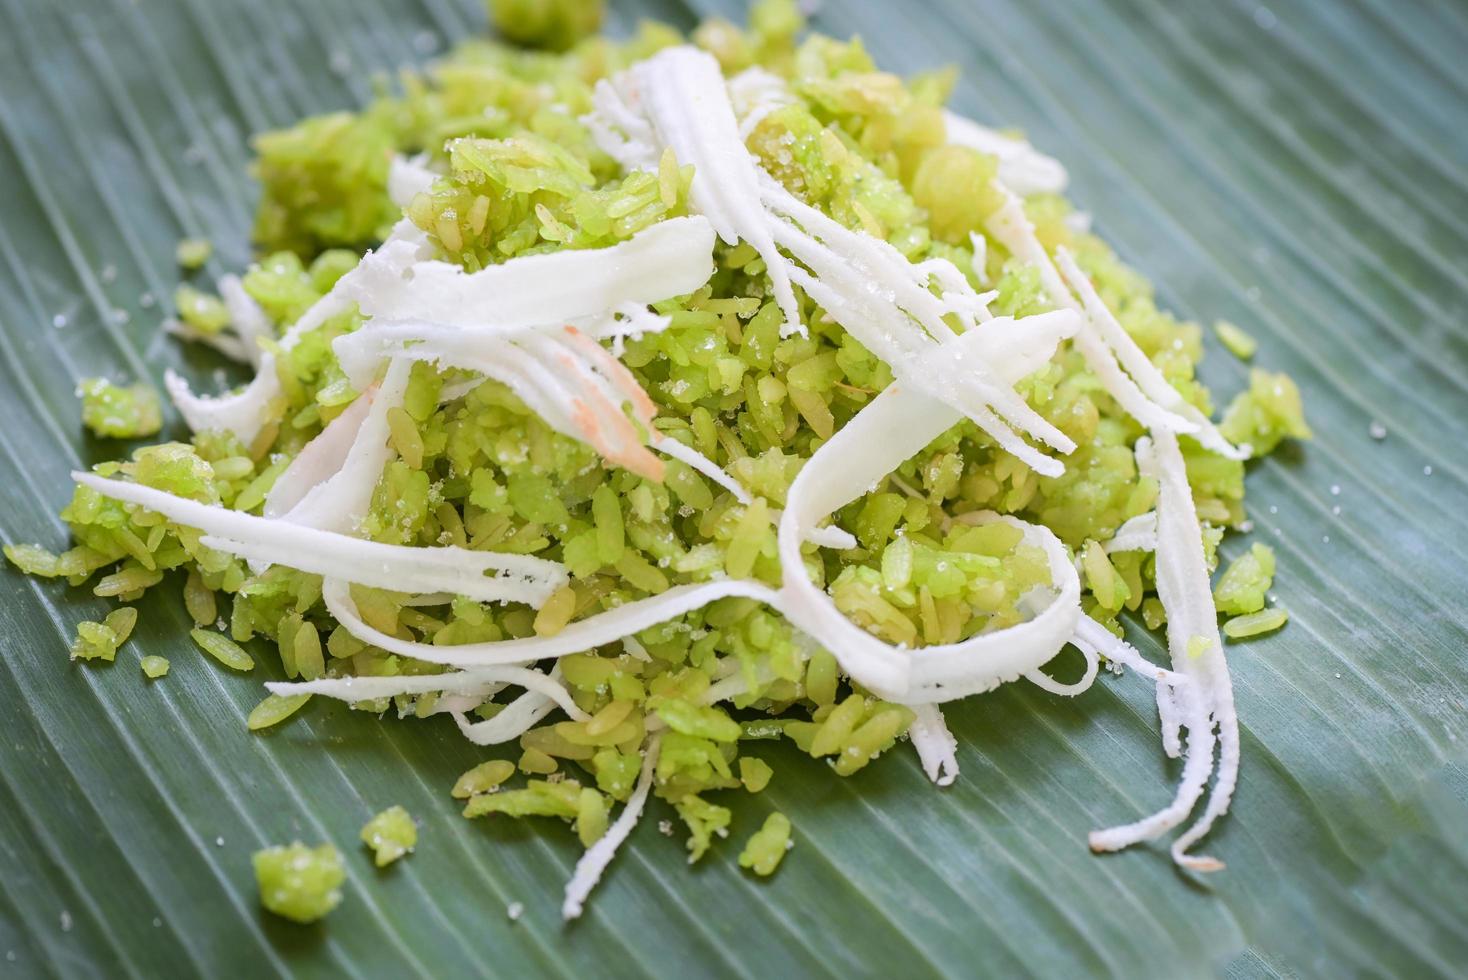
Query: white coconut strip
x=680, y=93
x=1169, y=719
x=532, y=382
x=598, y=386
x=669, y=446
x=557, y=385
x=619, y=384
x=1012, y=228
x=396, y=567
x=450, y=347
x=319, y=458
x=1119, y=651
x=226, y=343
x=1014, y=348
x=629, y=320
x=455, y=390
x=457, y=704
x=516, y=718
x=1186, y=594
x=619, y=125
x=360, y=351
x=246, y=411
x=755, y=93
x=1135, y=534
x=479, y=683
x=830, y=537
x=670, y=258
x=593, y=864
x=827, y=241
x=854, y=309
x=980, y=246
x=725, y=689
x=1021, y=166
x=569, y=379
x=246, y=318
x=1196, y=771
x=937, y=749
x=896, y=424
x=883, y=300
x=1148, y=378
x=407, y=177
x=1045, y=682
x=838, y=255
x=341, y=501
x=520, y=578
x=586, y=634
x=476, y=683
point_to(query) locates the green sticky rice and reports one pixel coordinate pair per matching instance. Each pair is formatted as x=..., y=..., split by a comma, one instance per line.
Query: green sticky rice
x=299, y=883
x=99, y=641
x=552, y=24
x=1235, y=339
x=391, y=834
x=192, y=253
x=518, y=173
x=483, y=778
x=120, y=412
x=1244, y=584
x=275, y=709
x=766, y=847
x=223, y=649
x=1255, y=623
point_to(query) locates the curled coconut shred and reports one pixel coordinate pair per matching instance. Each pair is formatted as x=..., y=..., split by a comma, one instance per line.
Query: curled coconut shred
x=1173, y=532
x=537, y=324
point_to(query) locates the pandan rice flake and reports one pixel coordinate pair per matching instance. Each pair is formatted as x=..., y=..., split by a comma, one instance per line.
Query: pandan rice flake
x=390, y=835
x=298, y=882
x=120, y=412
x=666, y=483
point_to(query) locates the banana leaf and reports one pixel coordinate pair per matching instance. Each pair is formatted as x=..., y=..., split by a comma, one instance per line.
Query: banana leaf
x=1300, y=169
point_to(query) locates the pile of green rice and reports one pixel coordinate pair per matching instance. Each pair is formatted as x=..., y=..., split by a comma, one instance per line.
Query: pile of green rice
x=523, y=176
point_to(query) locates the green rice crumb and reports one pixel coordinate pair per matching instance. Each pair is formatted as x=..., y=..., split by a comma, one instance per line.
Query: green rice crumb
x=33, y=560
x=705, y=821
x=223, y=649
x=99, y=641
x=483, y=778
x=390, y=834
x=584, y=807
x=1235, y=340
x=1269, y=412
x=1255, y=623
x=1246, y=581
x=274, y=709
x=119, y=412
x=154, y=666
x=191, y=253
x=552, y=24
x=754, y=773
x=203, y=311
x=299, y=883
x=766, y=847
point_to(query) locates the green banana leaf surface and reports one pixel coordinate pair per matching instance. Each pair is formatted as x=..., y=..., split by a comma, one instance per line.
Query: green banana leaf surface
x=1300, y=169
